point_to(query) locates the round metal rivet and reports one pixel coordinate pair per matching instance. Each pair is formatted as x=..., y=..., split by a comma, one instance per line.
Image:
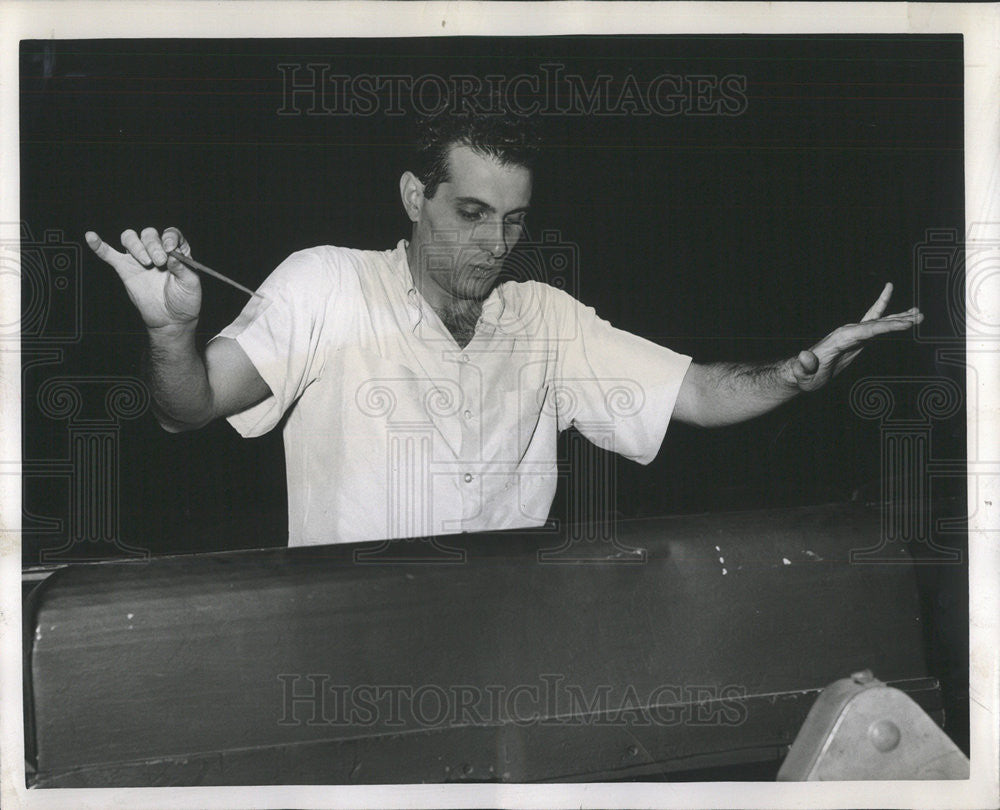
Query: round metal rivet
x=884, y=735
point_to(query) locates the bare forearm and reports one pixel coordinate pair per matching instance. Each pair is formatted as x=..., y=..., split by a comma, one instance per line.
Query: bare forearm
x=175, y=371
x=726, y=393
x=734, y=392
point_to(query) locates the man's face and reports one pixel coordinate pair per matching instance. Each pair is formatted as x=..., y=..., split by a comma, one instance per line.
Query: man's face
x=464, y=232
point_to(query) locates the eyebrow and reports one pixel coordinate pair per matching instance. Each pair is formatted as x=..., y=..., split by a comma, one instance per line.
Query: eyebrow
x=487, y=206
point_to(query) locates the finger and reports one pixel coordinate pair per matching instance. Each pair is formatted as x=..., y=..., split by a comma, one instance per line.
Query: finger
x=103, y=250
x=866, y=331
x=106, y=253
x=132, y=243
x=912, y=311
x=902, y=320
x=849, y=337
x=184, y=274
x=173, y=239
x=892, y=323
x=850, y=353
x=879, y=306
x=154, y=249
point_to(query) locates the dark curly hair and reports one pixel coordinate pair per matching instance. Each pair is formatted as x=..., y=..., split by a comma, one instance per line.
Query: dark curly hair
x=508, y=138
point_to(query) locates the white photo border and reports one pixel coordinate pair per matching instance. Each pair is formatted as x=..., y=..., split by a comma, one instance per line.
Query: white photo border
x=980, y=26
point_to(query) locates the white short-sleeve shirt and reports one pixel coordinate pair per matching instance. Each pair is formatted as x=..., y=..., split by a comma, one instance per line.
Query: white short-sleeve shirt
x=391, y=430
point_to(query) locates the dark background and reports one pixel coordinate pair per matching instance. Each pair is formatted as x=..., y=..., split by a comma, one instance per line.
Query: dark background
x=743, y=237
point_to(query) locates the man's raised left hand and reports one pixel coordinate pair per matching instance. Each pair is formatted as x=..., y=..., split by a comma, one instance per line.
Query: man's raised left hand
x=814, y=367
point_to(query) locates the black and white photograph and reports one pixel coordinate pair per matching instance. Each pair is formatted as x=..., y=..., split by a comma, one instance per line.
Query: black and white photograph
x=416, y=405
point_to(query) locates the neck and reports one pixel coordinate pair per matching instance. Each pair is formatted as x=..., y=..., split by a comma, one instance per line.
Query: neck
x=459, y=315
x=431, y=293
x=461, y=318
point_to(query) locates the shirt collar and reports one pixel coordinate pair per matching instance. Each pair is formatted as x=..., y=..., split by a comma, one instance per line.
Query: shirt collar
x=402, y=267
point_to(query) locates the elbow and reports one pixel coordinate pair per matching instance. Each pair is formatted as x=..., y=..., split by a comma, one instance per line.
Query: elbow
x=704, y=401
x=703, y=410
x=694, y=405
x=701, y=419
x=177, y=427
x=703, y=422
x=173, y=425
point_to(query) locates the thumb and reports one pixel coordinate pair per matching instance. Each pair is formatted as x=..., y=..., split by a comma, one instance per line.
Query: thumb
x=805, y=365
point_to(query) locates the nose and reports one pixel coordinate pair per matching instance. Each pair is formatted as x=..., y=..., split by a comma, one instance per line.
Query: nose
x=492, y=237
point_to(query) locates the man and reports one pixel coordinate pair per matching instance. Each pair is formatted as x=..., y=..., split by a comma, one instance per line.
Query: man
x=420, y=395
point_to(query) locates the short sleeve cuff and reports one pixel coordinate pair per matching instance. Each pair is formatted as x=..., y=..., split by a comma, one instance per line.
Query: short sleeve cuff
x=250, y=333
x=664, y=384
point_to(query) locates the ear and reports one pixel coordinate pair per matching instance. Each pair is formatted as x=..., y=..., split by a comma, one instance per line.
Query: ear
x=411, y=192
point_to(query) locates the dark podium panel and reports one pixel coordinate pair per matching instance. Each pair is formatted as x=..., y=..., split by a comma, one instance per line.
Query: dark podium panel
x=689, y=642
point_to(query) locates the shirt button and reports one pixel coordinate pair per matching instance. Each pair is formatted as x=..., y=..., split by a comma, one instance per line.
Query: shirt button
x=465, y=358
x=467, y=414
x=468, y=477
